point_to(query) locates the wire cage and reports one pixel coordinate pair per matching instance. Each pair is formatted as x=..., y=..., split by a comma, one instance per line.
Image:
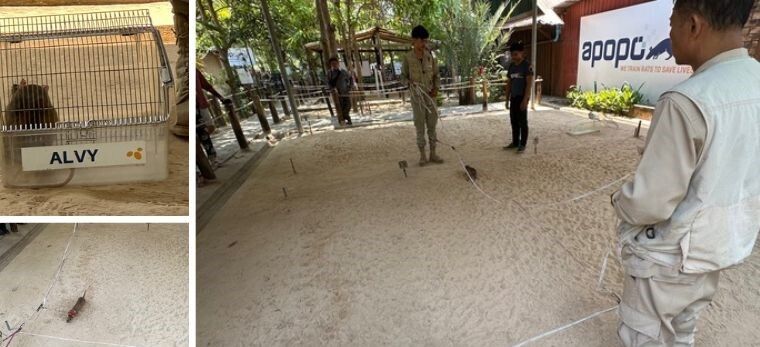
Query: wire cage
x=83, y=99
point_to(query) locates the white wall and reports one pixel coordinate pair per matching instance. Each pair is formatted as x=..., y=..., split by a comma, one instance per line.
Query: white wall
x=616, y=47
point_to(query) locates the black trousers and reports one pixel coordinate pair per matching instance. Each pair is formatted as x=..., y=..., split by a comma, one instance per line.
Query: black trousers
x=345, y=108
x=519, y=120
x=202, y=134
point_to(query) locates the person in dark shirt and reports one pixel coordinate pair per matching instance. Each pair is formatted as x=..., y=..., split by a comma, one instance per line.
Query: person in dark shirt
x=517, y=90
x=204, y=122
x=339, y=80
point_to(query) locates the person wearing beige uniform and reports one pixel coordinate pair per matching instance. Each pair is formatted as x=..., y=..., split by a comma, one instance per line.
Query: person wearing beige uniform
x=420, y=73
x=693, y=207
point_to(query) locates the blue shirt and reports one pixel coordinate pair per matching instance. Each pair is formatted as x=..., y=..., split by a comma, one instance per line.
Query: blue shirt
x=518, y=74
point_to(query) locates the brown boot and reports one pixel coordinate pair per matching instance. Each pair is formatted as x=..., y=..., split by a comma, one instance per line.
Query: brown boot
x=423, y=158
x=433, y=157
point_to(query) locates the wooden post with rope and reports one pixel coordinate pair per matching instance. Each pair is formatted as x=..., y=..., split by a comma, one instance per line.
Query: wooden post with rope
x=258, y=110
x=273, y=110
x=285, y=108
x=485, y=95
x=236, y=128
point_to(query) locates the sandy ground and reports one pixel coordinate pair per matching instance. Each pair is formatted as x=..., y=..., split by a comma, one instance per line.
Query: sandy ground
x=168, y=197
x=359, y=255
x=8, y=241
x=383, y=112
x=137, y=279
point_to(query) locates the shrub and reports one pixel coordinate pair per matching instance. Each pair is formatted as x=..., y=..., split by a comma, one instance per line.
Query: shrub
x=610, y=100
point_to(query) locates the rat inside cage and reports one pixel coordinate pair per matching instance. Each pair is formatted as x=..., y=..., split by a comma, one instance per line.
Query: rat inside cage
x=83, y=99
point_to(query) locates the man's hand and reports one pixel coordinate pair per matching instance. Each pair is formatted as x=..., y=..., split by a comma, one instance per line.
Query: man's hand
x=524, y=105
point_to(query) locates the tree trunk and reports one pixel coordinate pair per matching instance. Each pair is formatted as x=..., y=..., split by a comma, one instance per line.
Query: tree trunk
x=232, y=81
x=354, y=53
x=327, y=33
x=312, y=69
x=471, y=91
x=232, y=78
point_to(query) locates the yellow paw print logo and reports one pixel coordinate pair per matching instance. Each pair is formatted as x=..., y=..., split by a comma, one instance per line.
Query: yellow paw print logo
x=137, y=154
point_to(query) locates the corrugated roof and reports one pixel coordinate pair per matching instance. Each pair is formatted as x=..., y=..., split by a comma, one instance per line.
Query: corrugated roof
x=547, y=16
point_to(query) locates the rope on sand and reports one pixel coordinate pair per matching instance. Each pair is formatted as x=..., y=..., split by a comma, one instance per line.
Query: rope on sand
x=60, y=267
x=603, y=270
x=564, y=327
x=467, y=172
x=34, y=315
x=75, y=340
x=586, y=194
x=419, y=91
x=12, y=335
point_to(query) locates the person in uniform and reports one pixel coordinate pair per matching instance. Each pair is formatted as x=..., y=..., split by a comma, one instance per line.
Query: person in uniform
x=420, y=73
x=693, y=207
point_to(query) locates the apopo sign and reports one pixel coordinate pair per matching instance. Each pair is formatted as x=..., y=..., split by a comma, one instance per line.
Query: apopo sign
x=630, y=45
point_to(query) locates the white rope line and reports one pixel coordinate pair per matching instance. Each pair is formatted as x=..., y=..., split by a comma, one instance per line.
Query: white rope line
x=604, y=270
x=417, y=89
x=586, y=194
x=564, y=327
x=472, y=180
x=60, y=266
x=75, y=340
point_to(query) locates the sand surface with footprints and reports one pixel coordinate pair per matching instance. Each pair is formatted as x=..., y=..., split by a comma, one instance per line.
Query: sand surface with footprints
x=359, y=255
x=136, y=280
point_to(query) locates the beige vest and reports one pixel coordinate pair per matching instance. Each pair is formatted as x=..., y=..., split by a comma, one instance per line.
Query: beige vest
x=717, y=223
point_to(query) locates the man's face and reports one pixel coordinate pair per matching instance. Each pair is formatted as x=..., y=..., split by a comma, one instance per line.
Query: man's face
x=517, y=56
x=334, y=65
x=682, y=37
x=419, y=43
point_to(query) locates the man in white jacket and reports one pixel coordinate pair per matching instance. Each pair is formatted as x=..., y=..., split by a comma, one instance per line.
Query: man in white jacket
x=693, y=207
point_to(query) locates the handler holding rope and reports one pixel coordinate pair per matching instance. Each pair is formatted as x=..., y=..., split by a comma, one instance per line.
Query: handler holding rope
x=693, y=207
x=420, y=74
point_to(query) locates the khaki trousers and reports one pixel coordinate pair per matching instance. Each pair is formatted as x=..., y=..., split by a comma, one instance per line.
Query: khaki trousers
x=425, y=116
x=663, y=310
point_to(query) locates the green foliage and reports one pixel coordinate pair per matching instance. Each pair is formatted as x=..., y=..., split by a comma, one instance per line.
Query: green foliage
x=469, y=30
x=406, y=14
x=610, y=100
x=241, y=24
x=472, y=35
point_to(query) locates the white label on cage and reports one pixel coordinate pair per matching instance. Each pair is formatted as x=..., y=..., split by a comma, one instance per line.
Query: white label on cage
x=83, y=155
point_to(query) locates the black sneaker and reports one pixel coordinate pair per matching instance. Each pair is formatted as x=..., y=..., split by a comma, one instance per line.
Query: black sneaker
x=511, y=146
x=521, y=149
